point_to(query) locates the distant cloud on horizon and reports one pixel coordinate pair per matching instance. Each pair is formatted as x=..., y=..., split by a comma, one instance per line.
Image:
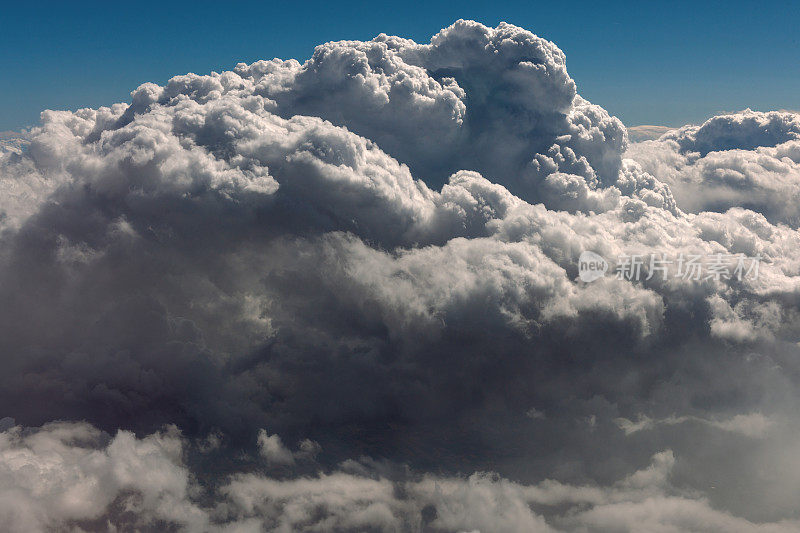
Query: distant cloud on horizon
x=6, y=135
x=646, y=132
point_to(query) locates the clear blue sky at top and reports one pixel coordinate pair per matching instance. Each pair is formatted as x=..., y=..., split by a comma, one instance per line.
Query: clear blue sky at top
x=665, y=63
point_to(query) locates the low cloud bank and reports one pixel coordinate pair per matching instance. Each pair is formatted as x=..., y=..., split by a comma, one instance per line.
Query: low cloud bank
x=72, y=477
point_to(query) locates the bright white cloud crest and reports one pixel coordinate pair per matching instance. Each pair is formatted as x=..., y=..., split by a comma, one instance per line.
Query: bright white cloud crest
x=375, y=254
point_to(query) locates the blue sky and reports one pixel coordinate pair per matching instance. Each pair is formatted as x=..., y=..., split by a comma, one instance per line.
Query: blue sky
x=665, y=63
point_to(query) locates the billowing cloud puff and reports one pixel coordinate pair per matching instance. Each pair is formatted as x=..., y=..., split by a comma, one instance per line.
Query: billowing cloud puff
x=747, y=159
x=743, y=131
x=352, y=283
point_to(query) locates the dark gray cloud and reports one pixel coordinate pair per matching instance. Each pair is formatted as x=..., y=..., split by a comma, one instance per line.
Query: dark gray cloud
x=351, y=283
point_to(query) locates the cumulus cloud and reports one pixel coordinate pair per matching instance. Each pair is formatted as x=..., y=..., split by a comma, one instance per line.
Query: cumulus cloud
x=373, y=254
x=72, y=477
x=749, y=159
x=272, y=449
x=66, y=473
